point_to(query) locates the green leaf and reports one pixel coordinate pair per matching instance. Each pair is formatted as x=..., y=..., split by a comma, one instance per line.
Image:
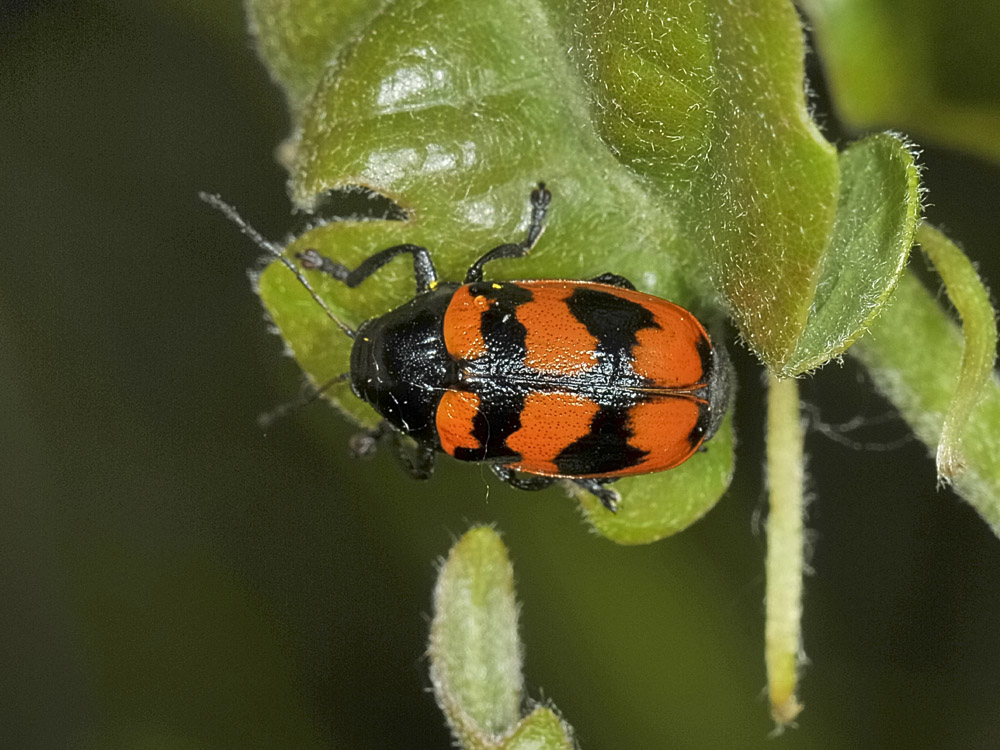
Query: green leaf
x=914, y=354
x=876, y=220
x=924, y=66
x=474, y=649
x=706, y=102
x=457, y=139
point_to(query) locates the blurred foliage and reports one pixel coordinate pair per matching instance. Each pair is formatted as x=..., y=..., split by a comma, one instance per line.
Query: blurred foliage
x=928, y=68
x=174, y=577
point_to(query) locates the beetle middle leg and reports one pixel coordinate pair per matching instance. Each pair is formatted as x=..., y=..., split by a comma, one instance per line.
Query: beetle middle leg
x=609, y=497
x=418, y=462
x=423, y=267
x=614, y=280
x=540, y=199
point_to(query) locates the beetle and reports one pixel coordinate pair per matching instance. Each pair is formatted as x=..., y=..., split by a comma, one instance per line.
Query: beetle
x=542, y=380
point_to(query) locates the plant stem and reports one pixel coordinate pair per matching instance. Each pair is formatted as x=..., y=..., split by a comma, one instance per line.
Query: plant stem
x=782, y=633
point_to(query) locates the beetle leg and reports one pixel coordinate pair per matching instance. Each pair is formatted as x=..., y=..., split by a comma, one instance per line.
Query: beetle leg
x=609, y=497
x=614, y=280
x=530, y=482
x=540, y=198
x=421, y=464
x=364, y=444
x=423, y=267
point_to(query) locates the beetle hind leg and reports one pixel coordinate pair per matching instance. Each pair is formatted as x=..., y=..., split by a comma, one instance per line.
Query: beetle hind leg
x=530, y=482
x=609, y=497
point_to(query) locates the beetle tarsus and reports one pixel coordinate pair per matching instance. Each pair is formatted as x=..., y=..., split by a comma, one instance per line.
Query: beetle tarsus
x=540, y=199
x=421, y=464
x=609, y=497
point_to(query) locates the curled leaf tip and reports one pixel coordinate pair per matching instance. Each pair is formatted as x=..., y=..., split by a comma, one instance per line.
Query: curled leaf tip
x=950, y=463
x=785, y=713
x=979, y=333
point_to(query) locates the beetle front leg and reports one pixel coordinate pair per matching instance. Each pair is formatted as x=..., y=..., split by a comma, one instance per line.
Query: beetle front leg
x=423, y=267
x=540, y=198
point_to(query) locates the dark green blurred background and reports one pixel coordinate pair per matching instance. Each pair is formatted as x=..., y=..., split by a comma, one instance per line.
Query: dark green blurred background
x=173, y=577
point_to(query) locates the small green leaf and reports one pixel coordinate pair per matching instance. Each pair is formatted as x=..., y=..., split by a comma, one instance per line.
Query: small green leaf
x=876, y=220
x=474, y=649
x=914, y=354
x=924, y=66
x=540, y=730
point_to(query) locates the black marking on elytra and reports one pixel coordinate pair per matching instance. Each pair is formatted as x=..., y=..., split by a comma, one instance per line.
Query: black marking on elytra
x=697, y=435
x=604, y=449
x=707, y=356
x=507, y=292
x=614, y=321
x=501, y=401
x=502, y=332
x=498, y=418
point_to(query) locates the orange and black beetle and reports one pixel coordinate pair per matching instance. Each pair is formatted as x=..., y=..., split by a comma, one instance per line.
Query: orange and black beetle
x=583, y=380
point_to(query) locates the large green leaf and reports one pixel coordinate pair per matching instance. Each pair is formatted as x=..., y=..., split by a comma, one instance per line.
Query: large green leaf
x=706, y=102
x=676, y=140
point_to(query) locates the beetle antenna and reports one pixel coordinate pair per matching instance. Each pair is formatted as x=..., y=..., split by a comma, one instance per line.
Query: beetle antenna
x=268, y=418
x=273, y=250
